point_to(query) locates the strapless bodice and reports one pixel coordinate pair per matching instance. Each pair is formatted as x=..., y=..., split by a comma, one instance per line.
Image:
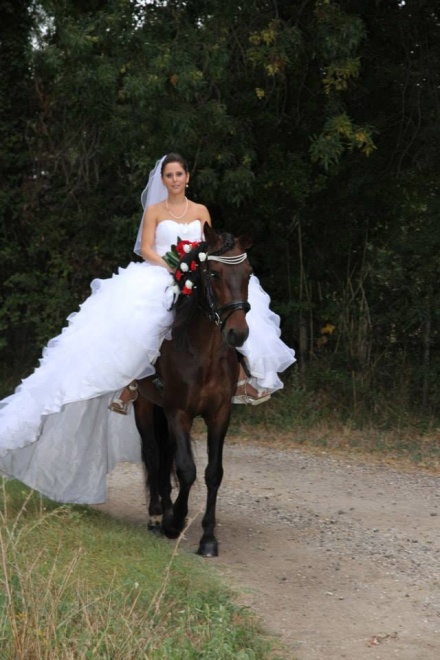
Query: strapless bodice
x=167, y=232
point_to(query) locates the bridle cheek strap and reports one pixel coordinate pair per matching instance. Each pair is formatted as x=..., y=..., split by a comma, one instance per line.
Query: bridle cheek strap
x=216, y=313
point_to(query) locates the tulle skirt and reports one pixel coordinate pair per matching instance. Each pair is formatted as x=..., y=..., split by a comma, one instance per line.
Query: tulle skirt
x=56, y=433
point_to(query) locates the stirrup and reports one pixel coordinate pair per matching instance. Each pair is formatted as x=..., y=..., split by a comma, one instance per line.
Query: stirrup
x=118, y=406
x=158, y=383
x=247, y=398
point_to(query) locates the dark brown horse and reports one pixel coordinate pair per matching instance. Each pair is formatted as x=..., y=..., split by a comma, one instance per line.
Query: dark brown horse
x=198, y=368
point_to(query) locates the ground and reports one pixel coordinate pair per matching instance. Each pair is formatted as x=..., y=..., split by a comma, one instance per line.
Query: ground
x=338, y=556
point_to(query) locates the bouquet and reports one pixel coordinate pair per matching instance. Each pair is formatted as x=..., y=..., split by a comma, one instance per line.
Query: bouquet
x=184, y=271
x=177, y=252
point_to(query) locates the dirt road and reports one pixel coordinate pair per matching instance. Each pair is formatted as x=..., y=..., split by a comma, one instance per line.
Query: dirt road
x=339, y=558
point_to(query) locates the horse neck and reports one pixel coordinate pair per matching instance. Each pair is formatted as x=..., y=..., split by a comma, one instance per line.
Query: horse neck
x=206, y=337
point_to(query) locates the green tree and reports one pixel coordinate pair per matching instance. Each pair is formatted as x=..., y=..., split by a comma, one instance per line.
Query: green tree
x=15, y=169
x=313, y=124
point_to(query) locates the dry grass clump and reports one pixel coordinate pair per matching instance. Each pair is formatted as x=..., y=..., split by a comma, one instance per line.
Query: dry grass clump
x=75, y=583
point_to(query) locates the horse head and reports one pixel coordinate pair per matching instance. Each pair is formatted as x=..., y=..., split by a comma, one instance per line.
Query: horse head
x=226, y=279
x=214, y=277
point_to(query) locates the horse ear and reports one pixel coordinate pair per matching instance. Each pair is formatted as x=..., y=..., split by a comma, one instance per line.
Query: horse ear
x=210, y=236
x=245, y=241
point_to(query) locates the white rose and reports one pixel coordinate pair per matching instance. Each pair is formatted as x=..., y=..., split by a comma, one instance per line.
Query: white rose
x=184, y=267
x=187, y=248
x=202, y=257
x=189, y=284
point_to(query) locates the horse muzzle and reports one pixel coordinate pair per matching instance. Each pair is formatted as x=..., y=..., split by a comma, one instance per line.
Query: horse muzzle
x=236, y=331
x=234, y=336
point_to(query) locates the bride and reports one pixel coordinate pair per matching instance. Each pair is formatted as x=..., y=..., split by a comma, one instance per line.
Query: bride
x=56, y=434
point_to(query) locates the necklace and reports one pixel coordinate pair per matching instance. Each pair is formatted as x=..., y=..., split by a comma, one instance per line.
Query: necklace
x=177, y=217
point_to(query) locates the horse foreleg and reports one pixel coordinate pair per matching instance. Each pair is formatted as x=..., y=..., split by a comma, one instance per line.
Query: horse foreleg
x=154, y=436
x=166, y=460
x=208, y=546
x=179, y=426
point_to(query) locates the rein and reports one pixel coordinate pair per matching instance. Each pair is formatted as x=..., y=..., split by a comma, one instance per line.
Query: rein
x=220, y=315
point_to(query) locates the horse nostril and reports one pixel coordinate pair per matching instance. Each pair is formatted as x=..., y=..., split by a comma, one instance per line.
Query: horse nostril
x=236, y=338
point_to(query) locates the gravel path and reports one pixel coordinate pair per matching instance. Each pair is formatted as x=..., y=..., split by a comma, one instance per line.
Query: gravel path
x=339, y=558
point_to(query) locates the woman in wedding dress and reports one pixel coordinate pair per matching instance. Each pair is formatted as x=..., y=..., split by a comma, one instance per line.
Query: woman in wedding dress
x=56, y=433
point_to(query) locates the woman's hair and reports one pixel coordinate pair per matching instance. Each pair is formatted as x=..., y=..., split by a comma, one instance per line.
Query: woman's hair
x=174, y=158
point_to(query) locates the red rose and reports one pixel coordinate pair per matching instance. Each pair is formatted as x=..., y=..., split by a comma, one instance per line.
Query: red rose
x=180, y=247
x=193, y=266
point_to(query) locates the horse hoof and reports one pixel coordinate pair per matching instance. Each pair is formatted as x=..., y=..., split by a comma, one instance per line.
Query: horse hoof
x=155, y=525
x=155, y=529
x=208, y=549
x=170, y=530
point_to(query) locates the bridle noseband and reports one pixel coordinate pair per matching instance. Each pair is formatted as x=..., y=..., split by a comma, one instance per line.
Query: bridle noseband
x=220, y=315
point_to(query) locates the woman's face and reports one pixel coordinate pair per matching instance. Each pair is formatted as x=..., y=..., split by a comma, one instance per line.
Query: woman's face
x=175, y=178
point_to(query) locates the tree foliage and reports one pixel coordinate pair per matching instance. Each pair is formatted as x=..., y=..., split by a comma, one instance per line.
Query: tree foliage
x=314, y=124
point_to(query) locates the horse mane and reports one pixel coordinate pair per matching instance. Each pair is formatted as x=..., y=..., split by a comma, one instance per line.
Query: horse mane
x=187, y=307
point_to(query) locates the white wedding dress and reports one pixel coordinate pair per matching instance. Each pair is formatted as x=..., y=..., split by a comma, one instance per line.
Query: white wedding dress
x=56, y=432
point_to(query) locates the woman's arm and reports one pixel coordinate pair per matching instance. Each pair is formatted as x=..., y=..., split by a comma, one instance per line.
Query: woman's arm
x=203, y=215
x=148, y=239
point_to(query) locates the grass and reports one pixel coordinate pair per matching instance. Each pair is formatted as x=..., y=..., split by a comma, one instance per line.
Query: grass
x=77, y=584
x=297, y=417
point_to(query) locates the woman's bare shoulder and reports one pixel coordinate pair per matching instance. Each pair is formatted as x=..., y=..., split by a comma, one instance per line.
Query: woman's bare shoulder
x=153, y=212
x=154, y=209
x=202, y=212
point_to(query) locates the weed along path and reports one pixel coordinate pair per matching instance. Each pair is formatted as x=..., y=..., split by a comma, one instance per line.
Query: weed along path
x=340, y=558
